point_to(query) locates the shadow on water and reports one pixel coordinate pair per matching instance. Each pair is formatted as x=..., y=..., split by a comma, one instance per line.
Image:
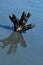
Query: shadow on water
x=13, y=40
x=7, y=27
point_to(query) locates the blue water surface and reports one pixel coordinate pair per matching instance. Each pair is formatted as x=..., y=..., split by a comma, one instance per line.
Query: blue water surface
x=32, y=54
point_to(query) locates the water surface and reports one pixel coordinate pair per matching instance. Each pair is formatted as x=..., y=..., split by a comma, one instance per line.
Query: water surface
x=25, y=48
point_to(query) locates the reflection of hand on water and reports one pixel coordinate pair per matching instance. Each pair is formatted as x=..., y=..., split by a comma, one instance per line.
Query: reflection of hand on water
x=13, y=41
